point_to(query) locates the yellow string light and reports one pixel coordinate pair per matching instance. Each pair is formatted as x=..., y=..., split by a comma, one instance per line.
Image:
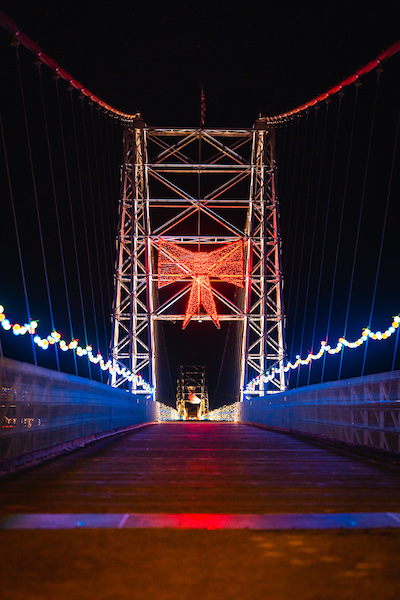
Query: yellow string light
x=228, y=412
x=55, y=338
x=325, y=348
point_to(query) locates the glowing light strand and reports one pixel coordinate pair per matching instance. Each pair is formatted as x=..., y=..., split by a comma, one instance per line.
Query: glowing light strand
x=55, y=338
x=10, y=26
x=228, y=412
x=175, y=263
x=370, y=66
x=167, y=413
x=325, y=348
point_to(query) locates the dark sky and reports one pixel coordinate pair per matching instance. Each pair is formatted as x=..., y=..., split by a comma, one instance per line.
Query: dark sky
x=253, y=58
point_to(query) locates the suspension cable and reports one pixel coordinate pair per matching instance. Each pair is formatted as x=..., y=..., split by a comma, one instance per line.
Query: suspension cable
x=84, y=210
x=10, y=26
x=313, y=236
x=66, y=168
x=344, y=196
x=304, y=226
x=57, y=213
x=361, y=208
x=326, y=227
x=285, y=256
x=96, y=243
x=382, y=236
x=305, y=218
x=79, y=172
x=35, y=195
x=100, y=211
x=289, y=201
x=370, y=66
x=17, y=236
x=26, y=41
x=108, y=179
x=327, y=219
x=315, y=222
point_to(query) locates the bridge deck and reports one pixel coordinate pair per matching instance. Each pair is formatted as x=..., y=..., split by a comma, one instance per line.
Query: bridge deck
x=201, y=468
x=204, y=467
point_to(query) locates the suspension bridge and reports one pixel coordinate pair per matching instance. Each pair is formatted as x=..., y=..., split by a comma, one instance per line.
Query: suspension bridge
x=262, y=259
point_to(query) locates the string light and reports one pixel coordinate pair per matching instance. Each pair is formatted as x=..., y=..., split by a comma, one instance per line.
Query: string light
x=55, y=338
x=228, y=412
x=325, y=348
x=175, y=263
x=167, y=413
x=17, y=329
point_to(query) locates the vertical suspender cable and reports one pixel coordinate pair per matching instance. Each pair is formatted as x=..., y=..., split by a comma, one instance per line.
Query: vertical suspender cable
x=305, y=221
x=382, y=236
x=290, y=195
x=84, y=215
x=398, y=329
x=360, y=215
x=35, y=194
x=316, y=209
x=294, y=243
x=21, y=263
x=290, y=202
x=283, y=181
x=346, y=178
x=313, y=235
x=101, y=194
x=326, y=225
x=71, y=212
x=110, y=235
x=79, y=171
x=313, y=239
x=46, y=127
x=111, y=218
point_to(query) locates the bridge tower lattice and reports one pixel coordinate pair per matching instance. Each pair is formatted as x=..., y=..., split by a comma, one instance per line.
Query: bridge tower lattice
x=199, y=188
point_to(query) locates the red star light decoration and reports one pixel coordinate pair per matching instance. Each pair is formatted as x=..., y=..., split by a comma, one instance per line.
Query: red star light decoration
x=175, y=263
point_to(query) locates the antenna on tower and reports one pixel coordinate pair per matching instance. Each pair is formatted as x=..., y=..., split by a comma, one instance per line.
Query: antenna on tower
x=202, y=107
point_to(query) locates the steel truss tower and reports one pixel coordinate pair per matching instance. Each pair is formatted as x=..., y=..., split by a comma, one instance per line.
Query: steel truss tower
x=263, y=343
x=192, y=378
x=201, y=189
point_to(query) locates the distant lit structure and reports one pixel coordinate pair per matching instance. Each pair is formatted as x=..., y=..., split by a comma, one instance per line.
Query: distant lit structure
x=192, y=392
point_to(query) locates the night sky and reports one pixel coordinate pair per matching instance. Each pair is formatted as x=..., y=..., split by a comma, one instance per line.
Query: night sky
x=257, y=58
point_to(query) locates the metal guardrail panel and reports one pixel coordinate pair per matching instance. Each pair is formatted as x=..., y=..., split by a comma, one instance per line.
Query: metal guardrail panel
x=40, y=408
x=363, y=411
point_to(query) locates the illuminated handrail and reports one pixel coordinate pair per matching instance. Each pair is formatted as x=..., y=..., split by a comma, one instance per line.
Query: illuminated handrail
x=363, y=412
x=44, y=411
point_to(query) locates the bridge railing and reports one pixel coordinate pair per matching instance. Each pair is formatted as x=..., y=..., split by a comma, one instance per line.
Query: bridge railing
x=364, y=411
x=43, y=412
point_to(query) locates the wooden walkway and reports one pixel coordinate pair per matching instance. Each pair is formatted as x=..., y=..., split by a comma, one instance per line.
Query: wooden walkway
x=201, y=467
x=223, y=470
